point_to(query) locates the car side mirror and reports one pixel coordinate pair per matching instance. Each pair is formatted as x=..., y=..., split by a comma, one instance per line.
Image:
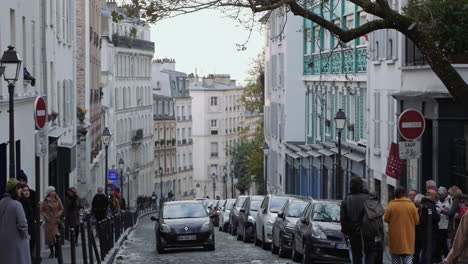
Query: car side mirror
x=305, y=221
x=281, y=215
x=242, y=210
x=154, y=218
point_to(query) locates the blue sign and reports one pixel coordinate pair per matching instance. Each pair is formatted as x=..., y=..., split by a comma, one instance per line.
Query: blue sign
x=113, y=175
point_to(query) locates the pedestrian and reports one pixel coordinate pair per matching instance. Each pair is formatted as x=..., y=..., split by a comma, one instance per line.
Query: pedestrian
x=100, y=205
x=72, y=212
x=431, y=185
x=27, y=203
x=14, y=238
x=52, y=210
x=154, y=200
x=402, y=217
x=351, y=217
x=459, y=251
x=444, y=202
x=459, y=203
x=170, y=195
x=412, y=194
x=420, y=233
x=429, y=225
x=114, y=204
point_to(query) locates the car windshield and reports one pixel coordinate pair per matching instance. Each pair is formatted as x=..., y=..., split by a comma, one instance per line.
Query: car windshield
x=185, y=210
x=326, y=212
x=240, y=202
x=228, y=205
x=255, y=205
x=296, y=209
x=277, y=204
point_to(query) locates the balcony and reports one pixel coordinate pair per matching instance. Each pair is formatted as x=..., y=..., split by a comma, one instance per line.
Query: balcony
x=336, y=62
x=137, y=135
x=133, y=43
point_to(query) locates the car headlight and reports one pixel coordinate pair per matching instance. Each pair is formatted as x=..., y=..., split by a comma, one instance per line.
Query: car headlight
x=165, y=228
x=206, y=227
x=250, y=219
x=318, y=233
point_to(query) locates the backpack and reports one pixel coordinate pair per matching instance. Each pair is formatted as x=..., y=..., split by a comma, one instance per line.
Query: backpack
x=462, y=209
x=372, y=223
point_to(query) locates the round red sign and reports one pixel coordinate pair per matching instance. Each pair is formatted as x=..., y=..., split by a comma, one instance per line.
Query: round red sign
x=40, y=112
x=411, y=124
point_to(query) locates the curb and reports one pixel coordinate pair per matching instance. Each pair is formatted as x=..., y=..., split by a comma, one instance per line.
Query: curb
x=113, y=252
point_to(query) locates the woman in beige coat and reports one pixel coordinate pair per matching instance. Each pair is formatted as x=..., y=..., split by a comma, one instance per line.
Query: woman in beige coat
x=459, y=251
x=51, y=210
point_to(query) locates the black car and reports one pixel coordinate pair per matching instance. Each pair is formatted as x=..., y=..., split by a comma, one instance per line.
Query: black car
x=317, y=235
x=246, y=221
x=283, y=227
x=234, y=214
x=183, y=224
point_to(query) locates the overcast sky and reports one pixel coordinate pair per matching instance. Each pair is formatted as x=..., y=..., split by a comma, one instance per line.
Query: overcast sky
x=206, y=41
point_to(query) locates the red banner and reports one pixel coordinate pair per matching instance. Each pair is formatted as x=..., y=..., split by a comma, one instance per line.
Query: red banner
x=394, y=163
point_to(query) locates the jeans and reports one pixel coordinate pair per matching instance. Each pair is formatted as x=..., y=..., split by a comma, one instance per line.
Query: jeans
x=372, y=250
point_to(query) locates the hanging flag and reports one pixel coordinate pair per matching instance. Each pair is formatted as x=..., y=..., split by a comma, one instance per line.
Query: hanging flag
x=394, y=163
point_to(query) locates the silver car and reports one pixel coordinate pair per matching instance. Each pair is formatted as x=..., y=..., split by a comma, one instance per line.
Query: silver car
x=224, y=215
x=266, y=216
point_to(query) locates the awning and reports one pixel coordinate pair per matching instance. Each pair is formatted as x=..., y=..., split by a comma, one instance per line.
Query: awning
x=56, y=132
x=355, y=157
x=343, y=150
x=295, y=148
x=293, y=155
x=302, y=154
x=326, y=152
x=314, y=153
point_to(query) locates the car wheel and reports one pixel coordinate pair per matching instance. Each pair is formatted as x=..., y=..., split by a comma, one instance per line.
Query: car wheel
x=210, y=247
x=234, y=231
x=245, y=238
x=274, y=248
x=256, y=240
x=282, y=253
x=220, y=228
x=295, y=255
x=239, y=237
x=159, y=248
x=305, y=257
x=265, y=245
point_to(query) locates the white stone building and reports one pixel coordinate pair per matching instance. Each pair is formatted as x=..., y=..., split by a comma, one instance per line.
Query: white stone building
x=218, y=117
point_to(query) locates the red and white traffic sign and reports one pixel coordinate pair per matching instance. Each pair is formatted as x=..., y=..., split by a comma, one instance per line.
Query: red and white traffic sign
x=40, y=112
x=411, y=124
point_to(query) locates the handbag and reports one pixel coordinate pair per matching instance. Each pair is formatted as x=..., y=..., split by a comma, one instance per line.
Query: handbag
x=61, y=224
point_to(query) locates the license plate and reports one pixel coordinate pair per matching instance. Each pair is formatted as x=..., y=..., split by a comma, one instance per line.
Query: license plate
x=341, y=246
x=186, y=238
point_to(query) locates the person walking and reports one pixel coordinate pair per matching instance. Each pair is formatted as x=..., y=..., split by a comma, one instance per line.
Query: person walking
x=27, y=203
x=351, y=217
x=402, y=217
x=444, y=202
x=170, y=195
x=72, y=212
x=459, y=251
x=51, y=210
x=14, y=238
x=154, y=200
x=459, y=200
x=114, y=204
x=100, y=205
x=429, y=225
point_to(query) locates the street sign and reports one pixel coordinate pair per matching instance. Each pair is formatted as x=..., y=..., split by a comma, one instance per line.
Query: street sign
x=113, y=175
x=410, y=149
x=411, y=124
x=40, y=112
x=41, y=142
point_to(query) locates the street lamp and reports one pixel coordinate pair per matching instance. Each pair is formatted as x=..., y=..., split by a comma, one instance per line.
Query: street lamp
x=266, y=149
x=213, y=176
x=232, y=179
x=121, y=167
x=160, y=187
x=128, y=172
x=11, y=66
x=106, y=136
x=225, y=182
x=340, y=122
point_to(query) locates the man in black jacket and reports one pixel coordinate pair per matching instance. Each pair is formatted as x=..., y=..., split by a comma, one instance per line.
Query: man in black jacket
x=351, y=217
x=100, y=204
x=429, y=225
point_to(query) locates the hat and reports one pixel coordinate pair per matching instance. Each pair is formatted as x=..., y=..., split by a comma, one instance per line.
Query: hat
x=11, y=185
x=22, y=176
x=49, y=190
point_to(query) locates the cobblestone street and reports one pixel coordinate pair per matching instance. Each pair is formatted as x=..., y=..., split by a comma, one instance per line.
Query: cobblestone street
x=140, y=248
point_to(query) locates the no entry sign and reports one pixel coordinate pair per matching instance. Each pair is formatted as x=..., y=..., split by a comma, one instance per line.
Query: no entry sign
x=40, y=112
x=411, y=124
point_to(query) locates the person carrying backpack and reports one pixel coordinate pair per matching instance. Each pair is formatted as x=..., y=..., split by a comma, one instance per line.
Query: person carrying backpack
x=402, y=218
x=354, y=212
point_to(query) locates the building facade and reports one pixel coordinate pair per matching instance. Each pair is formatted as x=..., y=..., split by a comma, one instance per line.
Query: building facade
x=218, y=118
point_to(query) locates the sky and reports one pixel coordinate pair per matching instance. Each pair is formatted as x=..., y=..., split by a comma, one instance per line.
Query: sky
x=206, y=41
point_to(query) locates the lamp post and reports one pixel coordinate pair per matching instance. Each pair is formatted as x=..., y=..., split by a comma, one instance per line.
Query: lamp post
x=213, y=176
x=160, y=186
x=225, y=182
x=232, y=179
x=340, y=122
x=11, y=66
x=106, y=136
x=121, y=167
x=128, y=186
x=266, y=149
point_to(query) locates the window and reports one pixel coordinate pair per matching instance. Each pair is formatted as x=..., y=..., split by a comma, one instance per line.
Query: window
x=214, y=101
x=214, y=123
x=214, y=149
x=377, y=120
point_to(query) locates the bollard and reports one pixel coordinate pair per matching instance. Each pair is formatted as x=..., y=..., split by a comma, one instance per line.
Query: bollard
x=102, y=242
x=72, y=245
x=90, y=237
x=58, y=248
x=83, y=241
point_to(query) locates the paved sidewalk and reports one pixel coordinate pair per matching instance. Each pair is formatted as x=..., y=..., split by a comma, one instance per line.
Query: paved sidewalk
x=66, y=252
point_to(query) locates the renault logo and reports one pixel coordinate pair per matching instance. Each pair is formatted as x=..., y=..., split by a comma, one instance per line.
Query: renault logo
x=186, y=228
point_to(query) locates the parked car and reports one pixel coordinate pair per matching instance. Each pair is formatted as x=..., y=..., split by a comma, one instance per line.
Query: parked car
x=317, y=235
x=284, y=225
x=234, y=214
x=183, y=224
x=270, y=207
x=247, y=214
x=224, y=215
